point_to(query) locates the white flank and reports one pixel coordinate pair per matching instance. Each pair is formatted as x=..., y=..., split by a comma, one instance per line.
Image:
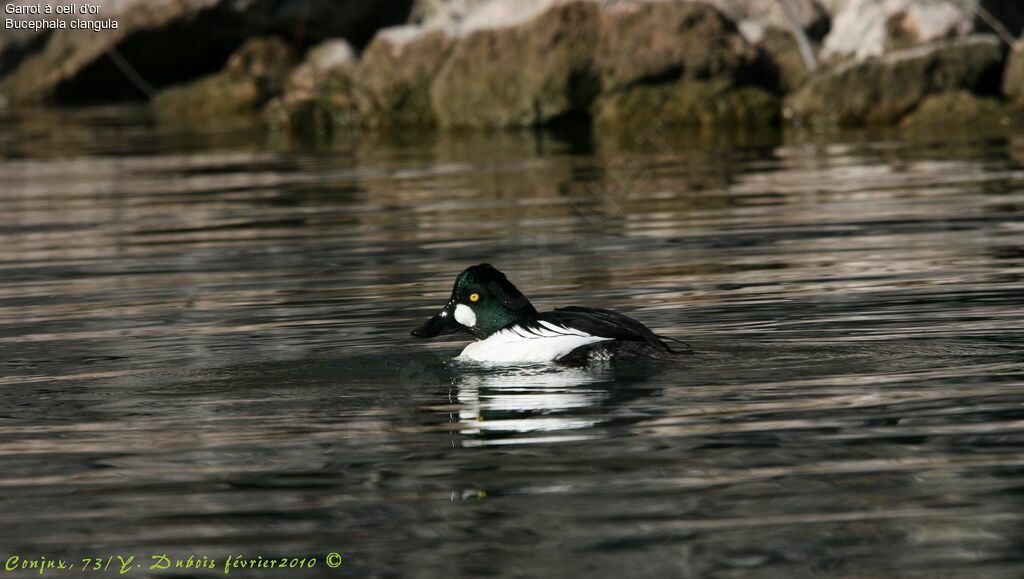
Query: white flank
x=515, y=344
x=465, y=315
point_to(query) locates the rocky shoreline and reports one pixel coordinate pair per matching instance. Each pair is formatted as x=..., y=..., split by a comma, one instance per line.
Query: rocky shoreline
x=617, y=64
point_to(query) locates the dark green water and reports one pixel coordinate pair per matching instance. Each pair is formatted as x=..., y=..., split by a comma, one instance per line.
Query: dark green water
x=204, y=351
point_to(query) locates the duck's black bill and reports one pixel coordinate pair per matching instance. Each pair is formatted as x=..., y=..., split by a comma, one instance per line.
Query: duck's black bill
x=442, y=323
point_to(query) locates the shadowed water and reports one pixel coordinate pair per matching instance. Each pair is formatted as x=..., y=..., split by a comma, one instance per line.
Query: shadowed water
x=205, y=351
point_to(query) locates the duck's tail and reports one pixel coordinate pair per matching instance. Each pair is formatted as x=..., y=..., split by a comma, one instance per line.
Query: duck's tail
x=688, y=350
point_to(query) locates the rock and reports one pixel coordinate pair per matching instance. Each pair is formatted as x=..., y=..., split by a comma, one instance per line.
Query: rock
x=319, y=62
x=266, y=61
x=1013, y=78
x=784, y=52
x=464, y=16
x=166, y=42
x=959, y=108
x=530, y=74
x=389, y=86
x=679, y=64
x=866, y=28
x=322, y=109
x=660, y=41
x=880, y=90
x=713, y=103
x=253, y=75
x=214, y=97
x=396, y=74
x=808, y=15
x=532, y=63
x=443, y=13
x=918, y=24
x=495, y=14
x=329, y=54
x=860, y=28
x=319, y=96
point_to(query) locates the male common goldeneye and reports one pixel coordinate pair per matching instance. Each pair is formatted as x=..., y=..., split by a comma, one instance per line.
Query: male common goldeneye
x=509, y=329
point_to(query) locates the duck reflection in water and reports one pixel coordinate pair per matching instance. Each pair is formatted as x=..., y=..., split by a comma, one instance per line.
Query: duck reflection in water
x=541, y=403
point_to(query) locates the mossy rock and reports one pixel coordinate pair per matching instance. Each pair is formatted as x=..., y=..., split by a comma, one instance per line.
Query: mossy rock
x=782, y=49
x=323, y=108
x=395, y=76
x=211, y=97
x=686, y=103
x=878, y=91
x=958, y=108
x=526, y=75
x=1013, y=78
x=254, y=74
x=266, y=60
x=665, y=41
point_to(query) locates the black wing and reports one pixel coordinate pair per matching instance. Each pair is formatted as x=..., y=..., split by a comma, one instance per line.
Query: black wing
x=604, y=323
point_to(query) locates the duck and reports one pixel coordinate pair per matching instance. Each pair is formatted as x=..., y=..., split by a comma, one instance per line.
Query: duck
x=509, y=329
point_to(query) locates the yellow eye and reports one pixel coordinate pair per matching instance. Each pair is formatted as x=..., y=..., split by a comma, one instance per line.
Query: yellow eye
x=474, y=297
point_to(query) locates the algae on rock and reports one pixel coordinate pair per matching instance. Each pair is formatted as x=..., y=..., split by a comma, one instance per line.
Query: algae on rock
x=252, y=76
x=666, y=41
x=396, y=74
x=316, y=105
x=526, y=75
x=958, y=108
x=881, y=90
x=686, y=103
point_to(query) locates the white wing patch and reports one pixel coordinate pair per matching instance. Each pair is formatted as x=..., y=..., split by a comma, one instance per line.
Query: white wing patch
x=546, y=343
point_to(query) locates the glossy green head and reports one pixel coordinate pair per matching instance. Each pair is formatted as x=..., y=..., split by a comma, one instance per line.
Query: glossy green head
x=483, y=301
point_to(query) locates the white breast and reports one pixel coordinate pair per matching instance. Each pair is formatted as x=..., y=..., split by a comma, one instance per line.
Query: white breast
x=544, y=344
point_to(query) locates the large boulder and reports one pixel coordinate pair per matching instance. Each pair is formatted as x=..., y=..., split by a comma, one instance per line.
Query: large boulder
x=678, y=64
x=499, y=63
x=866, y=28
x=319, y=96
x=253, y=75
x=326, y=109
x=396, y=73
x=158, y=43
x=958, y=108
x=880, y=90
x=757, y=15
x=714, y=103
x=662, y=41
x=321, y=58
x=480, y=14
x=449, y=14
x=510, y=70
x=1013, y=78
x=785, y=53
x=788, y=33
x=529, y=74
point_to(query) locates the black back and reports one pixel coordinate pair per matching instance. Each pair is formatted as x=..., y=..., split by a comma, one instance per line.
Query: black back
x=604, y=323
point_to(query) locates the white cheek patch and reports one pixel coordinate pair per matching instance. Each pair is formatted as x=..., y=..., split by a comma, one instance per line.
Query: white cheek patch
x=465, y=315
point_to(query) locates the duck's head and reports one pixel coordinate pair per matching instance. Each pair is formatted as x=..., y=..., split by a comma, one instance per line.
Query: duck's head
x=483, y=301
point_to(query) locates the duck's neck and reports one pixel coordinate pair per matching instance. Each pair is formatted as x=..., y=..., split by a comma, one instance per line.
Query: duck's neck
x=494, y=323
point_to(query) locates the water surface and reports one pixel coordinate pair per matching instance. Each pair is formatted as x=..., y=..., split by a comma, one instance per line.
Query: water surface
x=205, y=351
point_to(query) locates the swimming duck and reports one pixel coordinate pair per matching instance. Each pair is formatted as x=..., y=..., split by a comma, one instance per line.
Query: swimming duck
x=509, y=329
